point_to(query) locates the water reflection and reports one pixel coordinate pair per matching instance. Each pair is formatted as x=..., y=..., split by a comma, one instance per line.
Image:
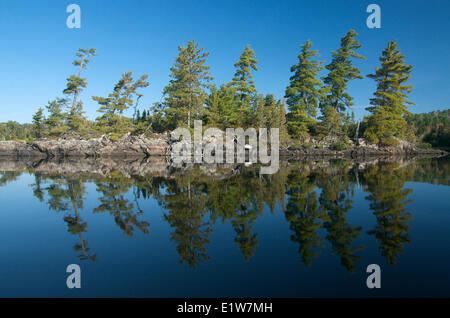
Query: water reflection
x=315, y=198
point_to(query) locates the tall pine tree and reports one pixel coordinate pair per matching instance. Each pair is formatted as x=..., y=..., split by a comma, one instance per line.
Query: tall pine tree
x=304, y=92
x=389, y=104
x=341, y=71
x=244, y=85
x=185, y=95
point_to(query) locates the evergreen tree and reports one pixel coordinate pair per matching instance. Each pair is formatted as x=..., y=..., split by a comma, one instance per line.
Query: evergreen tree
x=75, y=83
x=341, y=71
x=117, y=102
x=38, y=121
x=390, y=102
x=244, y=85
x=304, y=92
x=220, y=105
x=260, y=112
x=56, y=119
x=185, y=95
x=282, y=122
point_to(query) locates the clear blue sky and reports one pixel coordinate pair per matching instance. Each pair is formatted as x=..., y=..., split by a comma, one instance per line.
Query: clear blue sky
x=142, y=36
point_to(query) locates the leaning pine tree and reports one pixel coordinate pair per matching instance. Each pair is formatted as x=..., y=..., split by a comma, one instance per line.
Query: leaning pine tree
x=76, y=84
x=389, y=106
x=112, y=121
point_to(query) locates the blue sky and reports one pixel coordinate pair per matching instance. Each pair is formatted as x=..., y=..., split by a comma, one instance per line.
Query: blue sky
x=143, y=36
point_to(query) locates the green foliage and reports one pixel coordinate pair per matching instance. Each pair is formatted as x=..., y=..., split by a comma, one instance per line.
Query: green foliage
x=185, y=96
x=244, y=85
x=112, y=107
x=339, y=145
x=389, y=104
x=304, y=92
x=12, y=130
x=220, y=105
x=238, y=104
x=389, y=141
x=424, y=145
x=432, y=128
x=341, y=71
x=296, y=145
x=38, y=122
x=75, y=83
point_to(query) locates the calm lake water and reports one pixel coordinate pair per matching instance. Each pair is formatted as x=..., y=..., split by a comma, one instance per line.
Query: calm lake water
x=310, y=230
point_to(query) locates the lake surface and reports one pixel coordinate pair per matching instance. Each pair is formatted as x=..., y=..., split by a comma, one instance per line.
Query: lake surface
x=310, y=230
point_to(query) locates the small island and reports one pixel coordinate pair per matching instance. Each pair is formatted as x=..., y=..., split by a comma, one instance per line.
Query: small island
x=314, y=118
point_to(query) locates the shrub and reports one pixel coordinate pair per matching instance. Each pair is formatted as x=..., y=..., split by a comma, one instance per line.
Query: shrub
x=389, y=141
x=424, y=145
x=299, y=145
x=339, y=145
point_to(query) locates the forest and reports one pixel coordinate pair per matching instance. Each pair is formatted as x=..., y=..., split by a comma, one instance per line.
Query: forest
x=313, y=108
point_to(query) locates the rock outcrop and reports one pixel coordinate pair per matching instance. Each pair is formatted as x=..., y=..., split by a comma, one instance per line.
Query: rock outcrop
x=127, y=146
x=130, y=146
x=17, y=149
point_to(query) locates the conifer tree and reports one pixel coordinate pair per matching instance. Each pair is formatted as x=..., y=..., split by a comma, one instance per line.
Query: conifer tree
x=75, y=83
x=117, y=102
x=220, y=105
x=260, y=111
x=389, y=104
x=185, y=95
x=282, y=122
x=244, y=85
x=341, y=71
x=304, y=92
x=55, y=121
x=38, y=119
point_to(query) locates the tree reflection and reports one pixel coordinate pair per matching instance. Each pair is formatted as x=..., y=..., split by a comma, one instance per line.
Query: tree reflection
x=388, y=202
x=336, y=200
x=304, y=215
x=315, y=197
x=67, y=194
x=185, y=203
x=114, y=188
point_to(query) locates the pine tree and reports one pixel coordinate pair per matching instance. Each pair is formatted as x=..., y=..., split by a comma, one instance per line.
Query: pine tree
x=56, y=119
x=185, y=95
x=244, y=85
x=75, y=83
x=390, y=102
x=220, y=105
x=304, y=92
x=260, y=120
x=117, y=102
x=38, y=119
x=341, y=71
x=76, y=119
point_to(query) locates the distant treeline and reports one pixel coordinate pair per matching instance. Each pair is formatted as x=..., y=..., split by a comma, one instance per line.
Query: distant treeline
x=432, y=128
x=313, y=107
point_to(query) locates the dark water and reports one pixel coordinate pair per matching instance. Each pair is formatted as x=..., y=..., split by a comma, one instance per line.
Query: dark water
x=310, y=230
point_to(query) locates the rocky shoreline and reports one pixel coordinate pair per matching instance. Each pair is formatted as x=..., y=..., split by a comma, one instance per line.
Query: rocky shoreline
x=160, y=146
